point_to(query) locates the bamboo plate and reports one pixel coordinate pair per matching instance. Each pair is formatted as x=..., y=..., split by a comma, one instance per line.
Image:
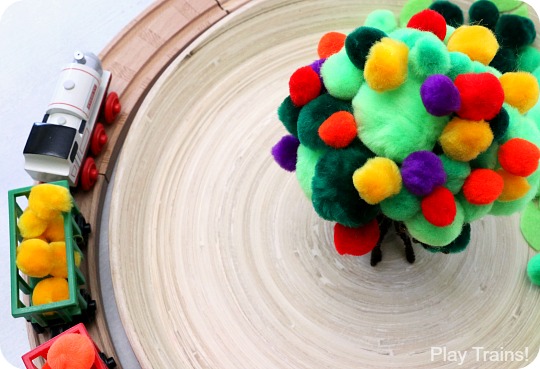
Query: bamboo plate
x=219, y=261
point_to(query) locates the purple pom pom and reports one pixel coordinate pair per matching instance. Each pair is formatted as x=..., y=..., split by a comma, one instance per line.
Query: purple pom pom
x=316, y=66
x=439, y=95
x=285, y=152
x=421, y=172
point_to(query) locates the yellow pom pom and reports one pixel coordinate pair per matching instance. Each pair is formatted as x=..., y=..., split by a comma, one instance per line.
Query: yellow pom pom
x=464, y=140
x=34, y=258
x=50, y=290
x=59, y=262
x=30, y=225
x=378, y=179
x=520, y=90
x=78, y=258
x=478, y=42
x=55, y=229
x=47, y=200
x=515, y=187
x=386, y=65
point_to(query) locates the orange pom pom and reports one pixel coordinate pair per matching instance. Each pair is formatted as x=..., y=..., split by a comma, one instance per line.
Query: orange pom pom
x=331, y=43
x=71, y=351
x=464, y=140
x=520, y=90
x=519, y=157
x=356, y=241
x=483, y=186
x=339, y=130
x=515, y=187
x=439, y=207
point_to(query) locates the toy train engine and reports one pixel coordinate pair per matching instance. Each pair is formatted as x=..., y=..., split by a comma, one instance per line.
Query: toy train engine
x=57, y=148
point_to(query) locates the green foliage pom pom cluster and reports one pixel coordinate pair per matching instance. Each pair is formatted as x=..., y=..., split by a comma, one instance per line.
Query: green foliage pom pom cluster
x=394, y=89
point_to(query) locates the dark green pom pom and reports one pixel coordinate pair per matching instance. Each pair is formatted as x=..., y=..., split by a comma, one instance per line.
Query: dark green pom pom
x=499, y=124
x=458, y=245
x=451, y=13
x=484, y=13
x=288, y=115
x=505, y=60
x=358, y=43
x=313, y=114
x=515, y=31
x=334, y=196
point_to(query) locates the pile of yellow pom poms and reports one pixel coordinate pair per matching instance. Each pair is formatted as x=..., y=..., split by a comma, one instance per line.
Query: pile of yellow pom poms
x=42, y=252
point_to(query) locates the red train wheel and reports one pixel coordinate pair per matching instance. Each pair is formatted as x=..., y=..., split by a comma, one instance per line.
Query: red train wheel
x=99, y=139
x=89, y=174
x=112, y=108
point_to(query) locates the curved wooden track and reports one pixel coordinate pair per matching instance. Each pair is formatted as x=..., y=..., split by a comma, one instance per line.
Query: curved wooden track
x=295, y=306
x=219, y=261
x=137, y=57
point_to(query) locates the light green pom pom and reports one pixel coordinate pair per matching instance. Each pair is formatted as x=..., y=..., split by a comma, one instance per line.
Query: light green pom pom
x=472, y=212
x=341, y=78
x=429, y=56
x=533, y=269
x=449, y=32
x=478, y=67
x=409, y=36
x=382, y=19
x=506, y=5
x=402, y=206
x=410, y=8
x=530, y=219
x=522, y=10
x=305, y=167
x=529, y=59
x=456, y=173
x=521, y=127
x=426, y=232
x=510, y=207
x=395, y=123
x=459, y=64
x=487, y=159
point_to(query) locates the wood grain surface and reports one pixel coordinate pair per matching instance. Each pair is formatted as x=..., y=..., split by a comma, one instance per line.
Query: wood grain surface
x=219, y=261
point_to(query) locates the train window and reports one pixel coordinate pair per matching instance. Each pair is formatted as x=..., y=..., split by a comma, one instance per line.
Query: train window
x=50, y=140
x=82, y=127
x=74, y=152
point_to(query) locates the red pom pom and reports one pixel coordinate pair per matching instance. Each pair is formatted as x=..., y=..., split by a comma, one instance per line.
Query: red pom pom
x=356, y=241
x=483, y=186
x=429, y=20
x=439, y=207
x=330, y=44
x=519, y=157
x=339, y=130
x=482, y=96
x=304, y=86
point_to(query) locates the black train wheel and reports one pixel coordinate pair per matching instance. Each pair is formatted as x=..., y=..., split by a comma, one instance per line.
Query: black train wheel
x=89, y=314
x=109, y=361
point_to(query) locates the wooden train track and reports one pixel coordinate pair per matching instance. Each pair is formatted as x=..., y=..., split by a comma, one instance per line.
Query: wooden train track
x=271, y=317
x=136, y=58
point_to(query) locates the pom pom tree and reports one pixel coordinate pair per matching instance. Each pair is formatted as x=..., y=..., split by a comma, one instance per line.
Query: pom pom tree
x=425, y=127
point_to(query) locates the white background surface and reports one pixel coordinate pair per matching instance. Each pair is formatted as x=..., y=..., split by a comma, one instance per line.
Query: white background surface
x=37, y=37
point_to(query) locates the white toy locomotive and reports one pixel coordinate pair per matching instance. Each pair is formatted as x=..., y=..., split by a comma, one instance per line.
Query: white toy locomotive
x=57, y=148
